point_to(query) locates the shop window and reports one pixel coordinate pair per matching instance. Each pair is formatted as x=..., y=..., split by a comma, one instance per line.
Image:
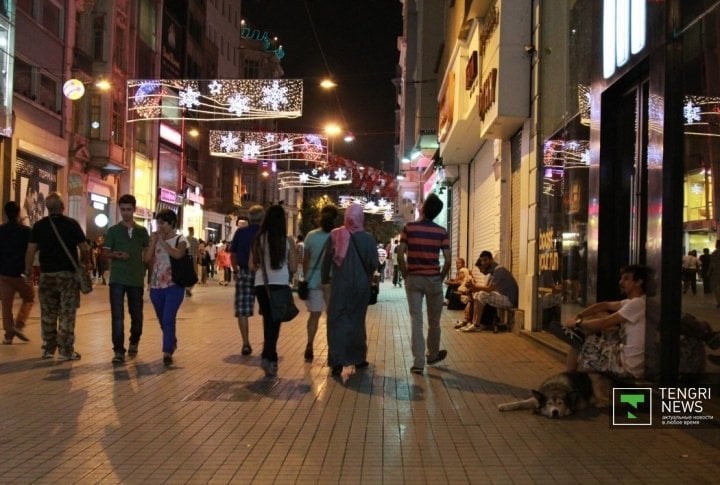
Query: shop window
x=146, y=21
x=23, y=78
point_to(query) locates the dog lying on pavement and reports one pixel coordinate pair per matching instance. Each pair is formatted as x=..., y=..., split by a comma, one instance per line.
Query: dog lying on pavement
x=563, y=394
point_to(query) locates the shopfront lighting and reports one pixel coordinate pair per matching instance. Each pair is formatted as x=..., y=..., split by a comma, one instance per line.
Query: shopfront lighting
x=349, y=138
x=328, y=83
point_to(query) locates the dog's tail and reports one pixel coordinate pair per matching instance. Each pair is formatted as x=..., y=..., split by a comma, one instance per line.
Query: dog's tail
x=529, y=403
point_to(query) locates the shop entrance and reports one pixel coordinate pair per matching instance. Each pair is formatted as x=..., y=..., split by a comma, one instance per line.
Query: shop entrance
x=623, y=181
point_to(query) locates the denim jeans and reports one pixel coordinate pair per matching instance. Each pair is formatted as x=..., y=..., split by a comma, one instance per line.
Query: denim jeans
x=271, y=330
x=166, y=302
x=430, y=287
x=117, y=312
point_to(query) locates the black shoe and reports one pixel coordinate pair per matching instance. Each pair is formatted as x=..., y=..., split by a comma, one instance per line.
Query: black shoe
x=246, y=350
x=416, y=370
x=337, y=370
x=188, y=293
x=119, y=358
x=309, y=356
x=362, y=365
x=132, y=350
x=167, y=360
x=20, y=334
x=440, y=356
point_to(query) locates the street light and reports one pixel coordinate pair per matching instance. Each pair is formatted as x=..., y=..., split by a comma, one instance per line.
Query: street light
x=328, y=83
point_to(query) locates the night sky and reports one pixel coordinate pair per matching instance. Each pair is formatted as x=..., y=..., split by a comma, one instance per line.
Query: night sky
x=359, y=40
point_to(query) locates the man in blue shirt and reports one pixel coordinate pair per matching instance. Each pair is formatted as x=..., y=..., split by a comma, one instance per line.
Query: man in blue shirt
x=244, y=278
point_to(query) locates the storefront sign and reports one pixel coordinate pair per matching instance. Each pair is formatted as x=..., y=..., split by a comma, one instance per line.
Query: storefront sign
x=489, y=26
x=193, y=197
x=142, y=213
x=487, y=94
x=624, y=28
x=168, y=196
x=471, y=70
x=548, y=258
x=447, y=108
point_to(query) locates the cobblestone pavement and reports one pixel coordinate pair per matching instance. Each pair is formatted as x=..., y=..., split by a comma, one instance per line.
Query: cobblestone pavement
x=215, y=418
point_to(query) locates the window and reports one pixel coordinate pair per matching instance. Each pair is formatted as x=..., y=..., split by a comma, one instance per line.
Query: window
x=252, y=69
x=48, y=95
x=119, y=57
x=146, y=20
x=95, y=112
x=23, y=78
x=118, y=123
x=98, y=38
x=51, y=18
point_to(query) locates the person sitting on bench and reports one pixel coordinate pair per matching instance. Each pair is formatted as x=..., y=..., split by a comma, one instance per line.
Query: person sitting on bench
x=452, y=296
x=501, y=290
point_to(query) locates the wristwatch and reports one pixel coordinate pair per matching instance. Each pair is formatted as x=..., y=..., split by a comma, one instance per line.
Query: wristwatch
x=578, y=322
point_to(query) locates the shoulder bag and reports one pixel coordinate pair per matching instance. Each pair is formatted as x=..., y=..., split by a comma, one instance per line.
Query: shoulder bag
x=303, y=288
x=183, y=269
x=282, y=303
x=374, y=282
x=81, y=276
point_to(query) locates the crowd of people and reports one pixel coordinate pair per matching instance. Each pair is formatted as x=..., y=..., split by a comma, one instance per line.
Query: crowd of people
x=338, y=262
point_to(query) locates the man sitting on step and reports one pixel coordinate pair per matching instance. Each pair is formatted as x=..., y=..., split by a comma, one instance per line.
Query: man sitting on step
x=501, y=290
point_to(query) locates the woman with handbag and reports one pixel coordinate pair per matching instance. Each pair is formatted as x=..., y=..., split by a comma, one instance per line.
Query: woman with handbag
x=318, y=295
x=274, y=261
x=165, y=295
x=349, y=261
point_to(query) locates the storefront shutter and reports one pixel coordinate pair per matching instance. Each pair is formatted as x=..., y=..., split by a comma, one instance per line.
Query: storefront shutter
x=485, y=205
x=515, y=154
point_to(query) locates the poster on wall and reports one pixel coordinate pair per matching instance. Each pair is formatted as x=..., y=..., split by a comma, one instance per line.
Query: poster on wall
x=33, y=182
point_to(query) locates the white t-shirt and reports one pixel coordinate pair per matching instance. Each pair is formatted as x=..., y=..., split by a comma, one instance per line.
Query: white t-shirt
x=633, y=349
x=275, y=276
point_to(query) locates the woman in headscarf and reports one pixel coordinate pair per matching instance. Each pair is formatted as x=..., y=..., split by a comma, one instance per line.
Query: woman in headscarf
x=349, y=261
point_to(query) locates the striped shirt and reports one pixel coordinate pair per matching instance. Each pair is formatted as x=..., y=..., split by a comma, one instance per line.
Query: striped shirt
x=424, y=240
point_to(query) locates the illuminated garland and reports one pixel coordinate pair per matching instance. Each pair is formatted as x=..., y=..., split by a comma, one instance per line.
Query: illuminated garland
x=382, y=206
x=294, y=180
x=259, y=146
x=217, y=99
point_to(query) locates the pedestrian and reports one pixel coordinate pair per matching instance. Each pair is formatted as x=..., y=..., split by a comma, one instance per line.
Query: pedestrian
x=349, y=262
x=318, y=294
x=211, y=250
x=125, y=246
x=422, y=241
x=14, y=237
x=223, y=263
x=240, y=248
x=100, y=260
x=300, y=257
x=165, y=295
x=382, y=258
x=58, y=290
x=689, y=271
x=714, y=273
x=193, y=244
x=397, y=274
x=274, y=262
x=704, y=260
x=204, y=259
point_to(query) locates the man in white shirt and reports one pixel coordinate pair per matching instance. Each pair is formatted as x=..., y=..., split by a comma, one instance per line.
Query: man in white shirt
x=615, y=330
x=382, y=258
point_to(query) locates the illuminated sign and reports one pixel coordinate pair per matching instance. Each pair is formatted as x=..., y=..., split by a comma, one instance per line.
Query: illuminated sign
x=624, y=26
x=254, y=34
x=168, y=195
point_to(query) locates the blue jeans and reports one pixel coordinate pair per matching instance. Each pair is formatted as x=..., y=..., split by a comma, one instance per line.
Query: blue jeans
x=166, y=302
x=117, y=312
x=430, y=287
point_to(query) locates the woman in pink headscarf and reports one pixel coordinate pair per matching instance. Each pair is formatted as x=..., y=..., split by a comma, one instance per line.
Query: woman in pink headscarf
x=350, y=259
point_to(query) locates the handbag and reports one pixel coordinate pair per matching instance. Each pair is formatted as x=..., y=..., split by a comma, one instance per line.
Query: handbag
x=374, y=282
x=282, y=303
x=81, y=276
x=183, y=269
x=303, y=286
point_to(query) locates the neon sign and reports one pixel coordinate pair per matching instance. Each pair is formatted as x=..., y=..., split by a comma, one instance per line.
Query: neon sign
x=254, y=34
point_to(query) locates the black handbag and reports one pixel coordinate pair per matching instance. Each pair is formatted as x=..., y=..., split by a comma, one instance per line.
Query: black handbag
x=282, y=303
x=303, y=286
x=183, y=269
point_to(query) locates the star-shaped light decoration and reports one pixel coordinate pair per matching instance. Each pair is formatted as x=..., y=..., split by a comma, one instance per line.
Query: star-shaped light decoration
x=382, y=202
x=286, y=145
x=324, y=179
x=251, y=150
x=211, y=100
x=229, y=143
x=314, y=171
x=691, y=112
x=215, y=87
x=340, y=174
x=696, y=189
x=585, y=157
x=274, y=95
x=304, y=178
x=189, y=97
x=269, y=137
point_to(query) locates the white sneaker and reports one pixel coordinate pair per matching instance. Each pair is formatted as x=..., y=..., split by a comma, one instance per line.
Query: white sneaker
x=471, y=327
